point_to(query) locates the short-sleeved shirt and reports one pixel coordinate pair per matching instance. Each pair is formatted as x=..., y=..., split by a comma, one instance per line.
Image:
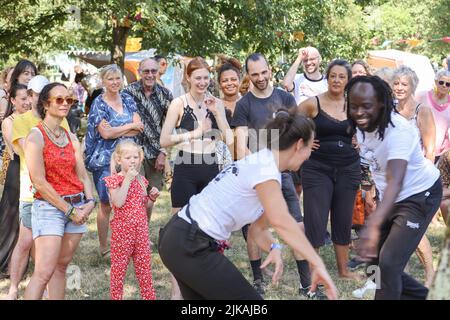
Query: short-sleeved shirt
x=400, y=142
x=134, y=208
x=230, y=201
x=22, y=125
x=152, y=111
x=305, y=88
x=255, y=113
x=98, y=150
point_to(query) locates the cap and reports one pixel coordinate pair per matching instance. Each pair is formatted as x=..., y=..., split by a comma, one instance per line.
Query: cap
x=37, y=83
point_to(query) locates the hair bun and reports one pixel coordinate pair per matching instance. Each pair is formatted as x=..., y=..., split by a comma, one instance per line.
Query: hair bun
x=281, y=114
x=223, y=60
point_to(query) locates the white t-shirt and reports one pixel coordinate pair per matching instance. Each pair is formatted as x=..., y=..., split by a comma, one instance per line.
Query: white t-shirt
x=305, y=88
x=400, y=142
x=230, y=201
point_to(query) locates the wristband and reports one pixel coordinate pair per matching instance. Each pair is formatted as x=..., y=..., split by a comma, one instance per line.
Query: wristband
x=276, y=246
x=186, y=137
x=70, y=212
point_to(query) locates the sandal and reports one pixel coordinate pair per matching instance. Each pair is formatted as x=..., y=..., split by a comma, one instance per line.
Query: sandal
x=105, y=254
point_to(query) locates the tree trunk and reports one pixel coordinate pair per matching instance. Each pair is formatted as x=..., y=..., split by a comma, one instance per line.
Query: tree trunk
x=440, y=290
x=120, y=34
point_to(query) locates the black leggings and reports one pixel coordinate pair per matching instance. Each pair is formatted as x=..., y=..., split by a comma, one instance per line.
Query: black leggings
x=329, y=190
x=400, y=235
x=200, y=270
x=191, y=174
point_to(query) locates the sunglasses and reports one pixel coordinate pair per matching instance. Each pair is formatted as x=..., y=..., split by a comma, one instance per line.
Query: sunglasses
x=60, y=100
x=147, y=71
x=441, y=83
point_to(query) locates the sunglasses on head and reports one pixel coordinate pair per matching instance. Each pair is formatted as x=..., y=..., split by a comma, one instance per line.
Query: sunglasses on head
x=441, y=83
x=60, y=100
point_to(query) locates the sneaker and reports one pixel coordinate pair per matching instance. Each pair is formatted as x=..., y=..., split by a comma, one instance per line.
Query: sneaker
x=316, y=295
x=355, y=264
x=369, y=287
x=258, y=284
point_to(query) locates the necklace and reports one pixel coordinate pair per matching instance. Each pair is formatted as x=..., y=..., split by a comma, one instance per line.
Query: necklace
x=199, y=105
x=53, y=138
x=51, y=131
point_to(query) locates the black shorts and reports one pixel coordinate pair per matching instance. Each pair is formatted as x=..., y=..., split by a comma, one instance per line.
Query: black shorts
x=190, y=177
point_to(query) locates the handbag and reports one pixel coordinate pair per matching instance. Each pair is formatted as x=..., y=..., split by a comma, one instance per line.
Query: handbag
x=223, y=155
x=358, y=209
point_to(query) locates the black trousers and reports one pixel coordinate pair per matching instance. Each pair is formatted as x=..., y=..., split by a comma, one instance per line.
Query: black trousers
x=328, y=191
x=400, y=235
x=200, y=270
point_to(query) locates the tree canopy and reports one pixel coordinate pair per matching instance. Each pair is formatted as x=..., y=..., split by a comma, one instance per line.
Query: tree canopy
x=277, y=28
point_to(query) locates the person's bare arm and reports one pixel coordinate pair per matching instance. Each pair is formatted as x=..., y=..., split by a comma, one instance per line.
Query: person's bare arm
x=309, y=107
x=288, y=81
x=427, y=128
x=241, y=142
x=277, y=214
x=130, y=129
x=168, y=138
x=395, y=173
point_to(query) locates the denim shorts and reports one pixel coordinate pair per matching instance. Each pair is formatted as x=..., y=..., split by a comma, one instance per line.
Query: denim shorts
x=100, y=185
x=25, y=213
x=49, y=221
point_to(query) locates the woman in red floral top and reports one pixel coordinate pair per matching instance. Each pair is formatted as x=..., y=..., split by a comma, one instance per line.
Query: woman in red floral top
x=129, y=227
x=64, y=193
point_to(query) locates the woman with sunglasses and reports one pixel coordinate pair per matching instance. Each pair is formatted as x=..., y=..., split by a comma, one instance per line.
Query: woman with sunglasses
x=64, y=193
x=113, y=115
x=439, y=100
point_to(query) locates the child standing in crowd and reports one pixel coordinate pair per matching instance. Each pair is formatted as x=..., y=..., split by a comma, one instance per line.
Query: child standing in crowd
x=129, y=237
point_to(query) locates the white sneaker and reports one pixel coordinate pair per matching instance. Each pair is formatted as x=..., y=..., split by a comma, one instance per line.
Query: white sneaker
x=368, y=287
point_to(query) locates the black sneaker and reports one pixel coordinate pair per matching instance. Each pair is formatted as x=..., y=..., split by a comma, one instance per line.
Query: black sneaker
x=259, y=285
x=355, y=264
x=316, y=295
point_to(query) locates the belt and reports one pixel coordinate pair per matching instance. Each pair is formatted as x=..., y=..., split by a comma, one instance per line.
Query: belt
x=75, y=199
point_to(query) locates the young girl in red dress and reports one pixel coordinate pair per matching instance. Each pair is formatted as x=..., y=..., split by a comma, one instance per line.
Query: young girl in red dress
x=129, y=226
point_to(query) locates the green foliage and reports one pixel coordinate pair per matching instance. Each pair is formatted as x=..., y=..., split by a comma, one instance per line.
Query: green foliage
x=412, y=19
x=339, y=28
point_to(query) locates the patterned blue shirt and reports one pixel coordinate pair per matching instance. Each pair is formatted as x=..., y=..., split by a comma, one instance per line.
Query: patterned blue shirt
x=98, y=150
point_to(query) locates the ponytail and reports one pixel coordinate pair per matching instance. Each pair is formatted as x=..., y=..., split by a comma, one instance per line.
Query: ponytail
x=287, y=128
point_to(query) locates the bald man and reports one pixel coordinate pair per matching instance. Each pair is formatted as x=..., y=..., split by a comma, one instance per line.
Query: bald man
x=311, y=82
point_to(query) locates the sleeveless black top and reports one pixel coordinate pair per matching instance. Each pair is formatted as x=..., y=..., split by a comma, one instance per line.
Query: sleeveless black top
x=335, y=140
x=189, y=121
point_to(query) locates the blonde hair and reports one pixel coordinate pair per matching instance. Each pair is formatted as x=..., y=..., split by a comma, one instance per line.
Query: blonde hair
x=109, y=69
x=118, y=152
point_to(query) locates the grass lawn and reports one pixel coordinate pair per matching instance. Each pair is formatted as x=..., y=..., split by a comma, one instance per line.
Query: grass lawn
x=95, y=270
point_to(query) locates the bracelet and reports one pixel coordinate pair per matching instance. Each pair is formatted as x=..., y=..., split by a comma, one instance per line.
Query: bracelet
x=186, y=137
x=70, y=212
x=276, y=246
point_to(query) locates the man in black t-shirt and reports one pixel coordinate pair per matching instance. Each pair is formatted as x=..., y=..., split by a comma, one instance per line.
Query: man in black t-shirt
x=252, y=113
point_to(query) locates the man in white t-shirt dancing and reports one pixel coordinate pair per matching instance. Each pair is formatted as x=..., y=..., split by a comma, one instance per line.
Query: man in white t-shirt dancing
x=409, y=186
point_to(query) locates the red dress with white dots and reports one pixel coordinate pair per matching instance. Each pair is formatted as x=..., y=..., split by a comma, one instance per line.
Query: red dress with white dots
x=130, y=239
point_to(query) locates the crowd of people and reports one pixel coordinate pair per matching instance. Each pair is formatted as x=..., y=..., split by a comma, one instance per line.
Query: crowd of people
x=294, y=157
